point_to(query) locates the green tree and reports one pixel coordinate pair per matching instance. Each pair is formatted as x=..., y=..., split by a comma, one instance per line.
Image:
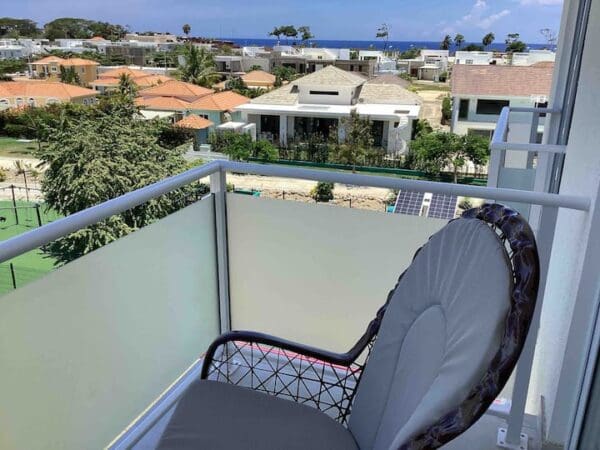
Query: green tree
x=383, y=33
x=96, y=156
x=69, y=75
x=421, y=127
x=238, y=146
x=277, y=32
x=74, y=28
x=305, y=34
x=488, y=39
x=411, y=53
x=473, y=48
x=186, y=29
x=12, y=66
x=16, y=28
x=289, y=31
x=514, y=44
x=322, y=192
x=235, y=84
x=433, y=152
x=264, y=150
x=446, y=43
x=283, y=73
x=199, y=67
x=446, y=109
x=357, y=140
x=459, y=40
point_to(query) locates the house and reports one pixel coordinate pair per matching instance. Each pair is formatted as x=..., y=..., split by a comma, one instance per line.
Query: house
x=474, y=58
x=16, y=94
x=479, y=92
x=178, y=89
x=316, y=103
x=49, y=67
x=199, y=125
x=109, y=80
x=309, y=60
x=516, y=59
x=429, y=65
x=220, y=107
x=237, y=64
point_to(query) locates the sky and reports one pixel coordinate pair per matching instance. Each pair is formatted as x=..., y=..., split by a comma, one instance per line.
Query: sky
x=420, y=20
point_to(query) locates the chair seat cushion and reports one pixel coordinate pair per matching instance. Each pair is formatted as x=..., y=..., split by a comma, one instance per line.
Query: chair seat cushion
x=214, y=415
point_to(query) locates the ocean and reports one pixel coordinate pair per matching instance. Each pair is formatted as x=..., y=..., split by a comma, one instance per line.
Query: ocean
x=393, y=45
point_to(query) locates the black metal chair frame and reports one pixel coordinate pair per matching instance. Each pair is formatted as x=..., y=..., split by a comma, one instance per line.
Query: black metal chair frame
x=309, y=365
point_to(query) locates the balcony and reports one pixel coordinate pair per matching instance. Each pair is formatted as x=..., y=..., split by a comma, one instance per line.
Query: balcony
x=97, y=352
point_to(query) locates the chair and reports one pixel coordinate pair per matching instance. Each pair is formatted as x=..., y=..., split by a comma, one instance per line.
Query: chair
x=430, y=363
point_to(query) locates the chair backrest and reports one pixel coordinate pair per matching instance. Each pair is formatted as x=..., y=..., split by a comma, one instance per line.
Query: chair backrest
x=453, y=329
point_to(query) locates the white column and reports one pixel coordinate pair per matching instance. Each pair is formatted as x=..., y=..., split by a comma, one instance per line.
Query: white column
x=283, y=130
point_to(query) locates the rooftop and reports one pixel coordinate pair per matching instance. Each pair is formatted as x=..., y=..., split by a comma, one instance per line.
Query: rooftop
x=175, y=88
x=43, y=89
x=518, y=81
x=66, y=62
x=163, y=103
x=384, y=93
x=331, y=76
x=221, y=101
x=194, y=122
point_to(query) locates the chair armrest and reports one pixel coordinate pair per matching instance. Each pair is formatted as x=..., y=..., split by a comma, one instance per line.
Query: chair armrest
x=319, y=378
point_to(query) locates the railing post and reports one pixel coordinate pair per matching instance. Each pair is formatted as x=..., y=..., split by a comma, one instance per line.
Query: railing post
x=512, y=436
x=218, y=187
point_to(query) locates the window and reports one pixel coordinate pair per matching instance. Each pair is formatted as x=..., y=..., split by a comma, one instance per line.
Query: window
x=483, y=133
x=542, y=105
x=324, y=93
x=51, y=101
x=491, y=107
x=53, y=69
x=19, y=101
x=469, y=61
x=83, y=70
x=3, y=103
x=463, y=108
x=31, y=101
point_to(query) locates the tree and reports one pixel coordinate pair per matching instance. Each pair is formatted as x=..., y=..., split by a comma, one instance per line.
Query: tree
x=235, y=84
x=69, y=75
x=446, y=109
x=322, y=192
x=383, y=32
x=16, y=28
x=277, y=32
x=459, y=40
x=411, y=53
x=514, y=43
x=433, y=152
x=199, y=67
x=283, y=73
x=186, y=29
x=474, y=48
x=357, y=140
x=488, y=39
x=12, y=66
x=289, y=31
x=127, y=87
x=264, y=150
x=21, y=169
x=446, y=43
x=98, y=155
x=550, y=36
x=305, y=34
x=73, y=28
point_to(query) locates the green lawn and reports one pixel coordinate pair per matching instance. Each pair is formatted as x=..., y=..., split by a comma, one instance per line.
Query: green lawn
x=13, y=147
x=31, y=265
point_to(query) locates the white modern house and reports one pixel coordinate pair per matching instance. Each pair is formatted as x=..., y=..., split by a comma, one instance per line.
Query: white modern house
x=316, y=103
x=479, y=92
x=474, y=58
x=429, y=65
x=516, y=59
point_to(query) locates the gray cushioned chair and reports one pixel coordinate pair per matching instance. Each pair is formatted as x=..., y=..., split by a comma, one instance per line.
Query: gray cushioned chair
x=429, y=365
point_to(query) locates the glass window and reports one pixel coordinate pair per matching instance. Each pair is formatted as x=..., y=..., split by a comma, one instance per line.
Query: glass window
x=3, y=103
x=491, y=107
x=463, y=108
x=31, y=101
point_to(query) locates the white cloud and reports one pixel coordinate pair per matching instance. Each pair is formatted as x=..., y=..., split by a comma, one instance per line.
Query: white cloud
x=541, y=2
x=480, y=16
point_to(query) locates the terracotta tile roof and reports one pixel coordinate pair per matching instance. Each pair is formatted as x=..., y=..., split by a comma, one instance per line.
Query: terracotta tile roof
x=118, y=71
x=97, y=38
x=176, y=88
x=66, y=62
x=194, y=122
x=162, y=103
x=259, y=77
x=143, y=82
x=221, y=101
x=48, y=89
x=493, y=80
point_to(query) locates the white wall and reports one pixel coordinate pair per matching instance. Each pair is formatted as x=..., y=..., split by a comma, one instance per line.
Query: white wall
x=88, y=347
x=315, y=273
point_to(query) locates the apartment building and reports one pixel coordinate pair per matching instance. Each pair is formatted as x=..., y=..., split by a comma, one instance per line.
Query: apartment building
x=49, y=67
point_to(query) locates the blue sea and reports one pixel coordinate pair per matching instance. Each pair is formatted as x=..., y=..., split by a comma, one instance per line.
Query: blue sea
x=392, y=45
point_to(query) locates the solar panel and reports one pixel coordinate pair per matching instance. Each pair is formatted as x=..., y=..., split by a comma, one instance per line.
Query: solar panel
x=442, y=206
x=409, y=202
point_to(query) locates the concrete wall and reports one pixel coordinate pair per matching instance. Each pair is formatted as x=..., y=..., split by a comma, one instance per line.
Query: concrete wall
x=315, y=273
x=88, y=347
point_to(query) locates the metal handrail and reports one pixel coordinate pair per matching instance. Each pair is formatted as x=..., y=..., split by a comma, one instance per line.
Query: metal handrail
x=47, y=233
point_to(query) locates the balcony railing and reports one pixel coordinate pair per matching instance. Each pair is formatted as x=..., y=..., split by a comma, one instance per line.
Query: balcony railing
x=90, y=345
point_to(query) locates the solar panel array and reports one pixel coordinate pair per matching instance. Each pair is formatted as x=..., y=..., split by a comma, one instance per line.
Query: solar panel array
x=443, y=206
x=409, y=202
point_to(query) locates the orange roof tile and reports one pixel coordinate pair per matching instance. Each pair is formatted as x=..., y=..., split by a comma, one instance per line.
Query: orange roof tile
x=221, y=101
x=259, y=77
x=66, y=62
x=48, y=89
x=519, y=81
x=162, y=103
x=98, y=38
x=145, y=81
x=49, y=59
x=118, y=71
x=176, y=88
x=194, y=122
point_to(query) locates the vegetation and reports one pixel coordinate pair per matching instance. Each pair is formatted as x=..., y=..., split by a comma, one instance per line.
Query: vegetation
x=459, y=40
x=15, y=28
x=305, y=34
x=71, y=28
x=383, y=32
x=69, y=75
x=199, y=67
x=514, y=44
x=283, y=73
x=446, y=43
x=358, y=140
x=12, y=66
x=236, y=84
x=411, y=53
x=433, y=152
x=16, y=148
x=488, y=39
x=474, y=48
x=240, y=147
x=446, y=110
x=186, y=28
x=99, y=154
x=421, y=127
x=322, y=192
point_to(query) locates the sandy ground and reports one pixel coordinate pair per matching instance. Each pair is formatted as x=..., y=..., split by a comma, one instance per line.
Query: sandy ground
x=431, y=108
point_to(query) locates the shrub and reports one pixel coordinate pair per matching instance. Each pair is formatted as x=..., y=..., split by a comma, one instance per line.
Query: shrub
x=322, y=192
x=264, y=150
x=443, y=77
x=446, y=110
x=3, y=175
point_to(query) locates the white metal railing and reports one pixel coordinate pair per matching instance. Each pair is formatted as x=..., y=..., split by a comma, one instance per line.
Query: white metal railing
x=217, y=170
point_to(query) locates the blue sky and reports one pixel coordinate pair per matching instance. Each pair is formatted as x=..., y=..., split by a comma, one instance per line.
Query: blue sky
x=328, y=19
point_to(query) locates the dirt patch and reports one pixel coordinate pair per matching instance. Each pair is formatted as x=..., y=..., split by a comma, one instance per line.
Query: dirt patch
x=431, y=108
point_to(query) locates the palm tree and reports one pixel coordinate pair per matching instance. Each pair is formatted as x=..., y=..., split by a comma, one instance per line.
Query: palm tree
x=383, y=32
x=69, y=75
x=446, y=43
x=459, y=40
x=126, y=85
x=186, y=29
x=488, y=39
x=277, y=32
x=199, y=67
x=305, y=34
